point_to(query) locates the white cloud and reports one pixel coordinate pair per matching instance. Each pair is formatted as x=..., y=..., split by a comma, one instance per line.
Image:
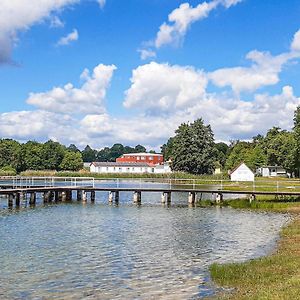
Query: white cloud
x=88, y=98
x=146, y=53
x=264, y=71
x=71, y=37
x=295, y=46
x=21, y=15
x=101, y=3
x=56, y=22
x=181, y=18
x=163, y=88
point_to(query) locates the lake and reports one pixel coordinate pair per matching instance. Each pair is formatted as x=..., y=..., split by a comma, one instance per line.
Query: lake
x=125, y=251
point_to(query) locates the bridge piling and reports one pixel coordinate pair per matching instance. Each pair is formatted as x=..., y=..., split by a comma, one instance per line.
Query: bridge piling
x=252, y=198
x=219, y=198
x=93, y=196
x=192, y=197
x=79, y=195
x=10, y=200
x=32, y=198
x=18, y=196
x=137, y=197
x=84, y=196
x=166, y=197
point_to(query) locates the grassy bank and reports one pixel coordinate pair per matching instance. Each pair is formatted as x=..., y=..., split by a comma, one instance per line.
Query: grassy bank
x=273, y=277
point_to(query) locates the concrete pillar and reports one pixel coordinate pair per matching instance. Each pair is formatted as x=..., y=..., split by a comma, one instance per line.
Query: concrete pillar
x=93, y=196
x=10, y=200
x=137, y=197
x=252, y=198
x=18, y=196
x=32, y=198
x=79, y=195
x=84, y=196
x=166, y=197
x=192, y=197
x=219, y=198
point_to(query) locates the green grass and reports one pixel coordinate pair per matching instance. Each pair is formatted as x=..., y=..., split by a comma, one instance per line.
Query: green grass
x=274, y=277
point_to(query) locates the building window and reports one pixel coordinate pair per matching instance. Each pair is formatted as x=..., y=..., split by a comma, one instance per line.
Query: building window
x=142, y=157
x=152, y=170
x=137, y=158
x=120, y=169
x=150, y=157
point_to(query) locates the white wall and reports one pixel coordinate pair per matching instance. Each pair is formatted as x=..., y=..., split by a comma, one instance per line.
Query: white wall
x=243, y=173
x=134, y=170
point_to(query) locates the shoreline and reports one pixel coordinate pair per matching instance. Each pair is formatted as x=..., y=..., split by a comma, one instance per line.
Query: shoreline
x=275, y=276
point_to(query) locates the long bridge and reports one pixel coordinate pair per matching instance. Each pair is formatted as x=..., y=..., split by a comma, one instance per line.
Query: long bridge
x=18, y=190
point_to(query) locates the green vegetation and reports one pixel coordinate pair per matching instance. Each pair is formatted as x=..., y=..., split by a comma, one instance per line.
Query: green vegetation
x=273, y=277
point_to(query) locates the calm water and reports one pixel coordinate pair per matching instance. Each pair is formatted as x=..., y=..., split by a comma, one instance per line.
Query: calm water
x=101, y=251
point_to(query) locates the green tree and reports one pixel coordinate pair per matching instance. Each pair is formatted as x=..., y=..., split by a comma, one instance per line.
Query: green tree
x=139, y=149
x=296, y=130
x=167, y=149
x=53, y=153
x=88, y=154
x=73, y=148
x=193, y=148
x=33, y=155
x=10, y=154
x=72, y=161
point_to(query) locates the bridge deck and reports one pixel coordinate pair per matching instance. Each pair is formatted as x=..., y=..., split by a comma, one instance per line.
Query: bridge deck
x=6, y=191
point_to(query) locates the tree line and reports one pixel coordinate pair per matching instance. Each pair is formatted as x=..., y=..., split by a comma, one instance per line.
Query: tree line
x=18, y=157
x=192, y=149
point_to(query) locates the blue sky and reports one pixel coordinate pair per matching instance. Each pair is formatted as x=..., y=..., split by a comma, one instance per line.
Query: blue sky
x=235, y=63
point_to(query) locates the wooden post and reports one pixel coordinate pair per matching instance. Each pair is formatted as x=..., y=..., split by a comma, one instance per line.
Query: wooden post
x=219, y=198
x=93, y=196
x=110, y=197
x=10, y=200
x=252, y=198
x=117, y=196
x=63, y=196
x=166, y=197
x=32, y=199
x=46, y=197
x=192, y=197
x=56, y=196
x=84, y=196
x=79, y=195
x=18, y=196
x=69, y=195
x=137, y=197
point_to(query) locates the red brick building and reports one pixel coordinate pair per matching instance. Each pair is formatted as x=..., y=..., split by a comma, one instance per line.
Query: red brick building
x=149, y=158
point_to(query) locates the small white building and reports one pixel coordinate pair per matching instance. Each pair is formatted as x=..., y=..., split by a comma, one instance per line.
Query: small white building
x=242, y=173
x=272, y=171
x=132, y=167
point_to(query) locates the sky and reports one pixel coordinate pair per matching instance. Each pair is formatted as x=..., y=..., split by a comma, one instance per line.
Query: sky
x=100, y=72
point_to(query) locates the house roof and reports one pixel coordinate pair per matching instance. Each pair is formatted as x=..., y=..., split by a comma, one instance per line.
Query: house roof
x=121, y=164
x=232, y=171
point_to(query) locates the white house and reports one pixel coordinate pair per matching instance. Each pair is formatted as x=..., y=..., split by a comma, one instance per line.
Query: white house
x=242, y=173
x=272, y=171
x=132, y=167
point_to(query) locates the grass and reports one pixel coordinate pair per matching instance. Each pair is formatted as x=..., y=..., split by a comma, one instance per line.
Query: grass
x=274, y=277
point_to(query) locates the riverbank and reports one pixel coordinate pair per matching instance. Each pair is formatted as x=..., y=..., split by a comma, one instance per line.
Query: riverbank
x=273, y=277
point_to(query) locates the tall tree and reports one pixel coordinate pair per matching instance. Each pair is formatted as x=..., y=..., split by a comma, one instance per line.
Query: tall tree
x=297, y=140
x=72, y=161
x=88, y=154
x=193, y=148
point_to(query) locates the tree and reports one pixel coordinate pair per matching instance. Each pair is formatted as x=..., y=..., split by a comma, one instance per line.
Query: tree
x=53, y=153
x=72, y=161
x=193, y=148
x=140, y=149
x=167, y=149
x=73, y=148
x=10, y=154
x=222, y=150
x=297, y=140
x=88, y=154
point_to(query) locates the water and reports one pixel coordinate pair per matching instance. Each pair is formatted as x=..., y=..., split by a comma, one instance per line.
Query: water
x=101, y=251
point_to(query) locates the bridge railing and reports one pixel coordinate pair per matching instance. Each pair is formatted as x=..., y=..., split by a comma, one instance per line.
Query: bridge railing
x=260, y=184
x=24, y=181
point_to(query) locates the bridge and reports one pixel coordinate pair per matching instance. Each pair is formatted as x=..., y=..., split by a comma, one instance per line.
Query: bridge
x=18, y=190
